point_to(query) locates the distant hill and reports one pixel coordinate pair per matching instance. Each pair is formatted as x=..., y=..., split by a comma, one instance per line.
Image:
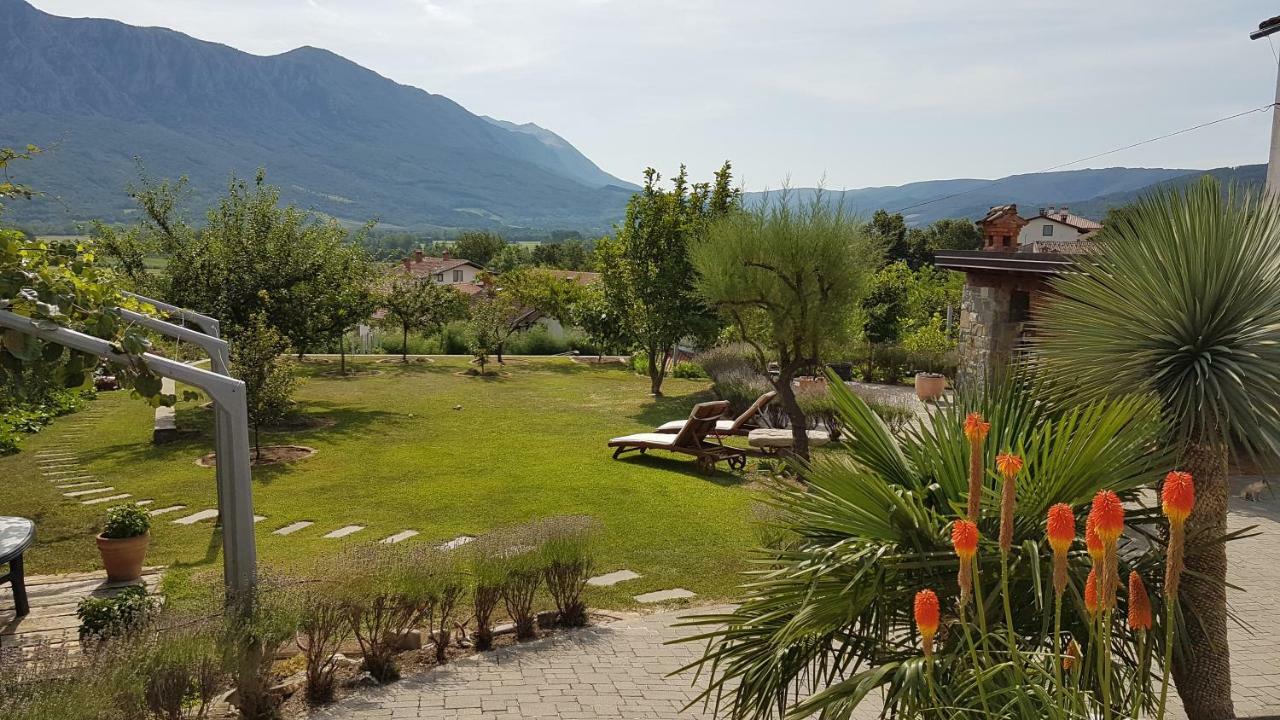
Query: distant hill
x=1086, y=192
x=101, y=97
x=337, y=137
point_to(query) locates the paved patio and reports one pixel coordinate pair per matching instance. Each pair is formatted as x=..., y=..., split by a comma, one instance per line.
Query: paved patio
x=619, y=669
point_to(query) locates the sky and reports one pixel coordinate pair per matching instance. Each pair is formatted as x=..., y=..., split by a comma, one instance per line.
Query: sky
x=850, y=94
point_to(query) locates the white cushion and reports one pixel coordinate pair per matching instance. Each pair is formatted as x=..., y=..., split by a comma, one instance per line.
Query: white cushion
x=675, y=426
x=645, y=438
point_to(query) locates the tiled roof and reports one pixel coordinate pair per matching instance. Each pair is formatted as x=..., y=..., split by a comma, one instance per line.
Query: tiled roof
x=427, y=266
x=1083, y=224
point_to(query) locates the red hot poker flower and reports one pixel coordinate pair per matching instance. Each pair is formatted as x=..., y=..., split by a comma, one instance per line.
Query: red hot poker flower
x=964, y=537
x=927, y=617
x=1108, y=514
x=1091, y=540
x=1091, y=593
x=975, y=429
x=1139, y=603
x=1178, y=496
x=1009, y=465
x=1061, y=528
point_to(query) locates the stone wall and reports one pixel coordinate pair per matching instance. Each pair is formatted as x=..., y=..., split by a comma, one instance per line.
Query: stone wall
x=989, y=335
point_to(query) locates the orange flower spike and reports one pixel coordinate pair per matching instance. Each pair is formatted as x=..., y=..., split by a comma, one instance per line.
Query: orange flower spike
x=1072, y=657
x=1139, y=603
x=927, y=617
x=1108, y=515
x=1178, y=496
x=1009, y=465
x=975, y=428
x=1091, y=593
x=1091, y=540
x=964, y=537
x=1061, y=528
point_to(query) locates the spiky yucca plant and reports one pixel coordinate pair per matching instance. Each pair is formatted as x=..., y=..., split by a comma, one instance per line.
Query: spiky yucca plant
x=1183, y=301
x=827, y=619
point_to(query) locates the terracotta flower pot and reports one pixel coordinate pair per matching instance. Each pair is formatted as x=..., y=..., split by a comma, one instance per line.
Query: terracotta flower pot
x=930, y=386
x=122, y=557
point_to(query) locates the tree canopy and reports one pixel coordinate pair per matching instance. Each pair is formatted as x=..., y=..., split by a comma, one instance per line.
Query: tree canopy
x=789, y=279
x=649, y=277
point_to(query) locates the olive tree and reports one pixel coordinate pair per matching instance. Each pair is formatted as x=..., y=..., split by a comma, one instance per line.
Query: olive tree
x=788, y=278
x=412, y=303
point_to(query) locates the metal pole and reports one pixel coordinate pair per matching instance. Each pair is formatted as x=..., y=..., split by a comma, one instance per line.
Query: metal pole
x=235, y=482
x=1265, y=29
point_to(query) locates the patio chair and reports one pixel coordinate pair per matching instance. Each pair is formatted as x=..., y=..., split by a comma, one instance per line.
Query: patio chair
x=740, y=425
x=16, y=535
x=690, y=440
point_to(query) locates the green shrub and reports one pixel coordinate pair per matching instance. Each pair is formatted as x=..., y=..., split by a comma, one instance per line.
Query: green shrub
x=323, y=627
x=52, y=683
x=251, y=641
x=895, y=416
x=537, y=340
x=126, y=521
x=688, y=371
x=25, y=415
x=728, y=359
x=183, y=670
x=741, y=388
x=392, y=343
x=488, y=573
x=433, y=579
x=567, y=564
x=640, y=362
x=103, y=618
x=382, y=602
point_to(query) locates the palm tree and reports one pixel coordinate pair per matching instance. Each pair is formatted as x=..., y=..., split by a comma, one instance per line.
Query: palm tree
x=1183, y=301
x=825, y=620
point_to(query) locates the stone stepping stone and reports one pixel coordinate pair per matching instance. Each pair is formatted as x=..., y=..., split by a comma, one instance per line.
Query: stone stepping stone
x=402, y=535
x=293, y=528
x=345, y=531
x=68, y=471
x=259, y=518
x=612, y=578
x=144, y=503
x=456, y=542
x=79, y=484
x=163, y=510
x=54, y=453
x=95, y=501
x=196, y=517
x=94, y=491
x=664, y=595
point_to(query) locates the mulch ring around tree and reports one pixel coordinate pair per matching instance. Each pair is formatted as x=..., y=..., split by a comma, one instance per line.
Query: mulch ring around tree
x=475, y=372
x=398, y=361
x=352, y=372
x=266, y=455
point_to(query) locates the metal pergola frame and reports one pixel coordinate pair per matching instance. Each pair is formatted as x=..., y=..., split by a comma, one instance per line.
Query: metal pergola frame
x=231, y=427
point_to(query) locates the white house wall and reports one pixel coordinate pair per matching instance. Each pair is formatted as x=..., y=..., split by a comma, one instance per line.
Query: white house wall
x=1033, y=232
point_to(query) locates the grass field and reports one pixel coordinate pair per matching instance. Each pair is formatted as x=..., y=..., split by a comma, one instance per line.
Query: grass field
x=398, y=456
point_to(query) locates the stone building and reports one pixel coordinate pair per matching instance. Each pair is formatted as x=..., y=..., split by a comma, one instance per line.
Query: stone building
x=1005, y=282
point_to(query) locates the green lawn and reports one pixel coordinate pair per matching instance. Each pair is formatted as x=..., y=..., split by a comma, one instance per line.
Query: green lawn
x=399, y=456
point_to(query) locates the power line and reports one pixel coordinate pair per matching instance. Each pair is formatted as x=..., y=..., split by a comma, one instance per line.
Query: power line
x=1059, y=166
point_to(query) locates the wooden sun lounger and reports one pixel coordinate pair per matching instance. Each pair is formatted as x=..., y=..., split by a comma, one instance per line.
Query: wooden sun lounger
x=690, y=440
x=740, y=425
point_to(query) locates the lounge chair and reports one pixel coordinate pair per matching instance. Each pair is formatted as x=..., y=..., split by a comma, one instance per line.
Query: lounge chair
x=740, y=425
x=690, y=440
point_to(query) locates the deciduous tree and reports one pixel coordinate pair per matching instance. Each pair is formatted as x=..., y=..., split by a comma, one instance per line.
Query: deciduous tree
x=650, y=274
x=411, y=303
x=257, y=359
x=478, y=247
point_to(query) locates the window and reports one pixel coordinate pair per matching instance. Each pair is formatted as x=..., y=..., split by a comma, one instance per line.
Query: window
x=1019, y=306
x=439, y=277
x=1047, y=230
x=1004, y=241
x=457, y=276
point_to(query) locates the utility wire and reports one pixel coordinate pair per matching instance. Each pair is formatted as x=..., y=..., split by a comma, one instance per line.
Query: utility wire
x=1059, y=166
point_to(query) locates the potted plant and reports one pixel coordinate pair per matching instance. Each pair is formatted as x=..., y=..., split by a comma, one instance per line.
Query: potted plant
x=123, y=542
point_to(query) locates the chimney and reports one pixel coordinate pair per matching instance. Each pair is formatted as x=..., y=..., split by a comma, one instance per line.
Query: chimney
x=1041, y=211
x=407, y=262
x=1064, y=211
x=417, y=255
x=446, y=254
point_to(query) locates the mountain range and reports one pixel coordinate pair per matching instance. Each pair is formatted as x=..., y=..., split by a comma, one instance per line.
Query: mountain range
x=111, y=102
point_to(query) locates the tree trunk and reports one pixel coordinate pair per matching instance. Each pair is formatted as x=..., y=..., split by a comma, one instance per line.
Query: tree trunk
x=342, y=354
x=257, y=443
x=655, y=373
x=1203, y=677
x=404, y=346
x=795, y=416
x=499, y=353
